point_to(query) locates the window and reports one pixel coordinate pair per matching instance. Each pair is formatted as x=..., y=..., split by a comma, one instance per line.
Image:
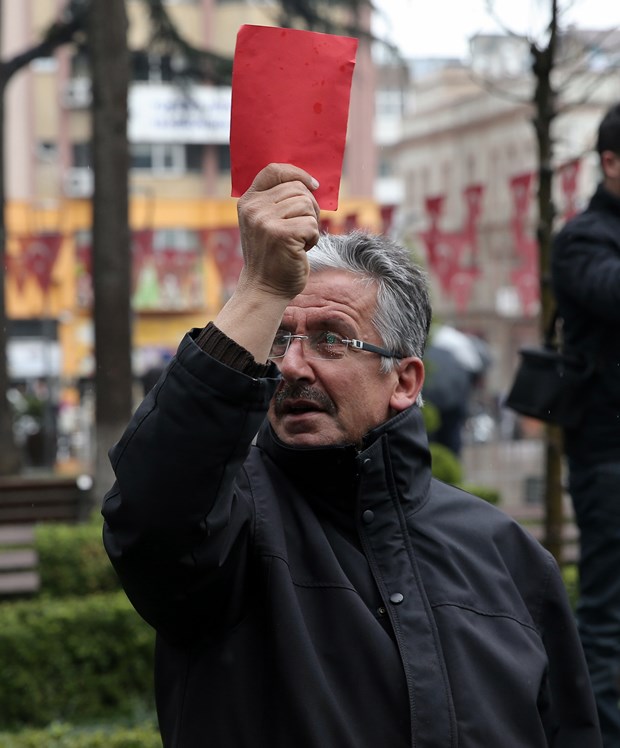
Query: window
x=47, y=151
x=179, y=240
x=81, y=154
x=385, y=167
x=160, y=158
x=141, y=156
x=45, y=65
x=80, y=67
x=389, y=103
x=223, y=159
x=194, y=156
x=147, y=66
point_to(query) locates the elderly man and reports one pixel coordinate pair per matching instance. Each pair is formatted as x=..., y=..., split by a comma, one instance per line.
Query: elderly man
x=318, y=588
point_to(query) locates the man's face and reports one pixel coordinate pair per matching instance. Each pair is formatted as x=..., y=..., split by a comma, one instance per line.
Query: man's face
x=610, y=164
x=322, y=402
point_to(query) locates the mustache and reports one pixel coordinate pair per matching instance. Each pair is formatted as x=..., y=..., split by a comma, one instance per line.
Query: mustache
x=301, y=392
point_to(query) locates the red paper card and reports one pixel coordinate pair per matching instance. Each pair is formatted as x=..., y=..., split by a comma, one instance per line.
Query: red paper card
x=290, y=104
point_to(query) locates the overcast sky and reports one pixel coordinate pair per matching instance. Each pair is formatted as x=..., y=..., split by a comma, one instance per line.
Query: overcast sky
x=441, y=28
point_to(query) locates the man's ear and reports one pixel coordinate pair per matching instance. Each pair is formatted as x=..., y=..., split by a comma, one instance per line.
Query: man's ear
x=410, y=373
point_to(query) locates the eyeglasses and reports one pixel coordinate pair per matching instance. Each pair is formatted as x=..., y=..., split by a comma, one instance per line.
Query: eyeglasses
x=324, y=345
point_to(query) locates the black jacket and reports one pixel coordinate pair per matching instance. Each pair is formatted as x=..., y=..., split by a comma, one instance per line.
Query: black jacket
x=586, y=280
x=321, y=598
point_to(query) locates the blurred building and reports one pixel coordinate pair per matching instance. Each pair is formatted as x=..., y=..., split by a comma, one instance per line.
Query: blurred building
x=186, y=253
x=185, y=244
x=464, y=163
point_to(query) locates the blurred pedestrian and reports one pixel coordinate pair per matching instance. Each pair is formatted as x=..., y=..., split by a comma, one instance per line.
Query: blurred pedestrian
x=586, y=279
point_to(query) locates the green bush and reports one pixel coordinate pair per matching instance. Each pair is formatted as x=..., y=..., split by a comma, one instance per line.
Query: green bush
x=432, y=419
x=73, y=660
x=72, y=560
x=61, y=735
x=492, y=495
x=570, y=574
x=446, y=466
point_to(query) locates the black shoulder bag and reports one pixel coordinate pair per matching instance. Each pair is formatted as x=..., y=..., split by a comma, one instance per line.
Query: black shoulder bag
x=549, y=384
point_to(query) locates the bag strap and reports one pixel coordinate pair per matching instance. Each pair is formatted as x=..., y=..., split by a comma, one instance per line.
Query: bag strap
x=552, y=342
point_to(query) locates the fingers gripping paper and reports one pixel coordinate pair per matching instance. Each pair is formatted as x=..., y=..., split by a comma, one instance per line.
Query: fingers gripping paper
x=290, y=104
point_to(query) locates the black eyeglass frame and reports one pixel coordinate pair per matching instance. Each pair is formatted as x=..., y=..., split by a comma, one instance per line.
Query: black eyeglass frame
x=357, y=345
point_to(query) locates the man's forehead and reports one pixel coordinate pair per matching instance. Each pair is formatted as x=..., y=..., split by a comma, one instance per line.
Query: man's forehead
x=338, y=294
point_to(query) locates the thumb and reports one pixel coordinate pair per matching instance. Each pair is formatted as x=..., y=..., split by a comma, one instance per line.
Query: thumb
x=275, y=174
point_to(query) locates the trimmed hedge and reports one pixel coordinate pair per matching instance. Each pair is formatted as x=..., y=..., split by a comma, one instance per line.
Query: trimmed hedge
x=73, y=660
x=72, y=559
x=570, y=575
x=445, y=464
x=60, y=735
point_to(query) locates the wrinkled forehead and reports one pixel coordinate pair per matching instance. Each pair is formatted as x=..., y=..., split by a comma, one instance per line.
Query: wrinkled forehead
x=333, y=295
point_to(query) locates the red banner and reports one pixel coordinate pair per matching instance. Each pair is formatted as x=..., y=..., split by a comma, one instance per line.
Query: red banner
x=224, y=246
x=569, y=174
x=39, y=253
x=387, y=218
x=452, y=256
x=141, y=255
x=525, y=276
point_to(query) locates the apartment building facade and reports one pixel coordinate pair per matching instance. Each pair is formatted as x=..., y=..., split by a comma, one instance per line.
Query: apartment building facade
x=186, y=253
x=185, y=243
x=466, y=163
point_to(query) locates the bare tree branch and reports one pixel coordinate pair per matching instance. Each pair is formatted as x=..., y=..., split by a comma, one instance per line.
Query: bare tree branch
x=60, y=33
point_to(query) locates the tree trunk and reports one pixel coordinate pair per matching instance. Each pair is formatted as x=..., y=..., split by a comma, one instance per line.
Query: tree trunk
x=9, y=454
x=545, y=111
x=10, y=461
x=107, y=32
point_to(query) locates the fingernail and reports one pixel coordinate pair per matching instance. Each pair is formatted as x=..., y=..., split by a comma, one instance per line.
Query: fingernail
x=313, y=183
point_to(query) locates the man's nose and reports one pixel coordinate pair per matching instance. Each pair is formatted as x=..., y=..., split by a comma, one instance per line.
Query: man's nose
x=295, y=364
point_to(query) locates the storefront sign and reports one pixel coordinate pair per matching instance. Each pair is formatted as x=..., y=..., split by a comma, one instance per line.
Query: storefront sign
x=160, y=113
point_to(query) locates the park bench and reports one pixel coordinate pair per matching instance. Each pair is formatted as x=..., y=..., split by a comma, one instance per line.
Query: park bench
x=24, y=502
x=18, y=561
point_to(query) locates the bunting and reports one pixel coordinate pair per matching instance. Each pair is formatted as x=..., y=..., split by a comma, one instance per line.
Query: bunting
x=453, y=256
x=525, y=277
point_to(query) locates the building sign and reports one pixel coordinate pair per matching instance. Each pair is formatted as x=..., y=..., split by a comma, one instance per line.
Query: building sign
x=167, y=113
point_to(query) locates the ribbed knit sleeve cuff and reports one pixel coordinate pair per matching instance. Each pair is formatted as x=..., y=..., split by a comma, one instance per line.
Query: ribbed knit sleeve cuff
x=214, y=342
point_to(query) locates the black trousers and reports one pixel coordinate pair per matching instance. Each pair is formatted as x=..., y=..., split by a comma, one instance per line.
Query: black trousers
x=595, y=492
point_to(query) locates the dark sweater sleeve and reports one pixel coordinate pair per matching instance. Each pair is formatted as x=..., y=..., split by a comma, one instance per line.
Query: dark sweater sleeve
x=214, y=342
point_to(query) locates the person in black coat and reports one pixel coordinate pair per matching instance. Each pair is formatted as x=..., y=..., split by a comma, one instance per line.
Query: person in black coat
x=312, y=585
x=586, y=280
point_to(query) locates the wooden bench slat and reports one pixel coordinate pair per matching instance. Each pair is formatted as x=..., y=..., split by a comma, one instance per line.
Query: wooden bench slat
x=34, y=514
x=18, y=534
x=25, y=558
x=19, y=582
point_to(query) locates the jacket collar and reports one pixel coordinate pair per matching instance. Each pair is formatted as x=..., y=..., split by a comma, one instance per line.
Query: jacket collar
x=398, y=447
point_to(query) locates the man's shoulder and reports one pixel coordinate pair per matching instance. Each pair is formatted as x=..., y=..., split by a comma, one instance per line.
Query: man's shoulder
x=466, y=532
x=470, y=517
x=600, y=220
x=588, y=223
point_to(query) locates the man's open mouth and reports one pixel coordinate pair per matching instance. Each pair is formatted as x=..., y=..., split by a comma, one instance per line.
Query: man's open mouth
x=296, y=407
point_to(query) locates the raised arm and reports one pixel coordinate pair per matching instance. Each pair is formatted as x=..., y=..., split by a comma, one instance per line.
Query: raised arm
x=279, y=223
x=179, y=523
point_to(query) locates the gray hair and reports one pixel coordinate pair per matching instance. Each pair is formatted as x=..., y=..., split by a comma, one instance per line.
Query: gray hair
x=403, y=315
